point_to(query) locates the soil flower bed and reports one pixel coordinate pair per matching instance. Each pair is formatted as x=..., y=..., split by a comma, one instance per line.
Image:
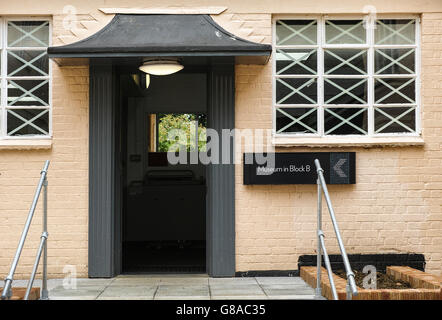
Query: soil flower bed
x=383, y=281
x=424, y=286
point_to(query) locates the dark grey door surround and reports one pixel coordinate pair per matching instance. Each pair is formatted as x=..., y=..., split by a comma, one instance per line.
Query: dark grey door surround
x=102, y=233
x=220, y=235
x=104, y=207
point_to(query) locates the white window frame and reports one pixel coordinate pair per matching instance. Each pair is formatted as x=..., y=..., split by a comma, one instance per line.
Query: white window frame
x=370, y=47
x=4, y=79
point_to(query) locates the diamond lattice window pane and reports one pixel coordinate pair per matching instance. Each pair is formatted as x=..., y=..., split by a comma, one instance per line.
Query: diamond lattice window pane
x=394, y=61
x=27, y=63
x=28, y=33
x=395, y=119
x=395, y=32
x=296, y=61
x=296, y=91
x=345, y=91
x=342, y=121
x=345, y=32
x=345, y=61
x=394, y=90
x=296, y=120
x=296, y=32
x=28, y=122
x=28, y=92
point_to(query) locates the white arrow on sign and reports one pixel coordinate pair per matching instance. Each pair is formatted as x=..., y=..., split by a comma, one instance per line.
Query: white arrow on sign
x=337, y=168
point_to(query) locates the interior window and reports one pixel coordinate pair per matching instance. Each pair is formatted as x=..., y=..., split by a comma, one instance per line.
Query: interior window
x=185, y=129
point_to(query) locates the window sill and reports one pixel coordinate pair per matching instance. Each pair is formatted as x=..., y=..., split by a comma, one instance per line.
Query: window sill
x=367, y=142
x=25, y=144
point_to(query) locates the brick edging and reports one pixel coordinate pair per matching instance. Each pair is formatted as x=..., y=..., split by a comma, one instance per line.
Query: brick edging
x=425, y=286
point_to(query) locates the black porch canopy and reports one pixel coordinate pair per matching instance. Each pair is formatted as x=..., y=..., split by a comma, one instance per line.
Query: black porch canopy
x=156, y=35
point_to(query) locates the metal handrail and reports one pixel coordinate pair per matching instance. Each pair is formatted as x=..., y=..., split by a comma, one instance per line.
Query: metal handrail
x=351, y=284
x=6, y=294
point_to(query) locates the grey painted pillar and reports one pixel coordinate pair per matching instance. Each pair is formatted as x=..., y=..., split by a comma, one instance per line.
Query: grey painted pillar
x=221, y=177
x=101, y=171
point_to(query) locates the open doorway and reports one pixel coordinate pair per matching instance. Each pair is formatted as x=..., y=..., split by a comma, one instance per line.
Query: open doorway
x=164, y=204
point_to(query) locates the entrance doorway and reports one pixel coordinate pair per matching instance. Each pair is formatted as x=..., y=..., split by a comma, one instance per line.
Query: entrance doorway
x=113, y=92
x=125, y=43
x=164, y=204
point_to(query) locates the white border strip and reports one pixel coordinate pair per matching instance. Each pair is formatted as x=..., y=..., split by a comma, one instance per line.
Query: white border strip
x=176, y=10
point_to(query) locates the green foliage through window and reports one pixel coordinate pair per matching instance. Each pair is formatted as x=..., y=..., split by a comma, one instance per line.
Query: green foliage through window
x=186, y=123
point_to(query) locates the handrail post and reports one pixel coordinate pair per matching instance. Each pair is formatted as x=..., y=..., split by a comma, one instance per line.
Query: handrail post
x=43, y=237
x=328, y=266
x=351, y=284
x=6, y=294
x=44, y=285
x=348, y=290
x=318, y=290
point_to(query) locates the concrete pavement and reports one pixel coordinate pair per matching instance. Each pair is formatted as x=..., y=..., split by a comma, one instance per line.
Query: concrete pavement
x=177, y=287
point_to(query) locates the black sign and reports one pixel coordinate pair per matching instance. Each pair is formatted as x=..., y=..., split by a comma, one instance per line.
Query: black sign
x=299, y=168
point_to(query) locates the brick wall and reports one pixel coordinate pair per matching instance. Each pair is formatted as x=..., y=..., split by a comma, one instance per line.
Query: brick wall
x=68, y=182
x=395, y=205
x=68, y=28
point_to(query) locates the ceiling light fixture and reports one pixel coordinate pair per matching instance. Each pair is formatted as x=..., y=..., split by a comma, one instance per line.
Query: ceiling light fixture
x=161, y=67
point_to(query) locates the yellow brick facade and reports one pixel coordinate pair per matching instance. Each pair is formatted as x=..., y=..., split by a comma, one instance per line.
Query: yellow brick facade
x=68, y=183
x=396, y=205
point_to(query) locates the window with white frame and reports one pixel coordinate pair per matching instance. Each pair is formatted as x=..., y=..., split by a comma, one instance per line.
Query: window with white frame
x=25, y=78
x=346, y=76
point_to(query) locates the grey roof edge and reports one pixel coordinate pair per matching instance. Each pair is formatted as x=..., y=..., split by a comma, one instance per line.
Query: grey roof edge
x=81, y=49
x=263, y=47
x=158, y=54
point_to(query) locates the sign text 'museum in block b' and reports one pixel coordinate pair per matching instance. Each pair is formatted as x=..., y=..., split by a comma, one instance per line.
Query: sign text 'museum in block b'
x=299, y=168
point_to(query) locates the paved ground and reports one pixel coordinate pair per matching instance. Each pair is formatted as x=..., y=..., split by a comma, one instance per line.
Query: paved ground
x=179, y=287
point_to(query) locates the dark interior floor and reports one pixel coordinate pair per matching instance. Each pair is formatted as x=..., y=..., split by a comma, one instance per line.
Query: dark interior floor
x=164, y=256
